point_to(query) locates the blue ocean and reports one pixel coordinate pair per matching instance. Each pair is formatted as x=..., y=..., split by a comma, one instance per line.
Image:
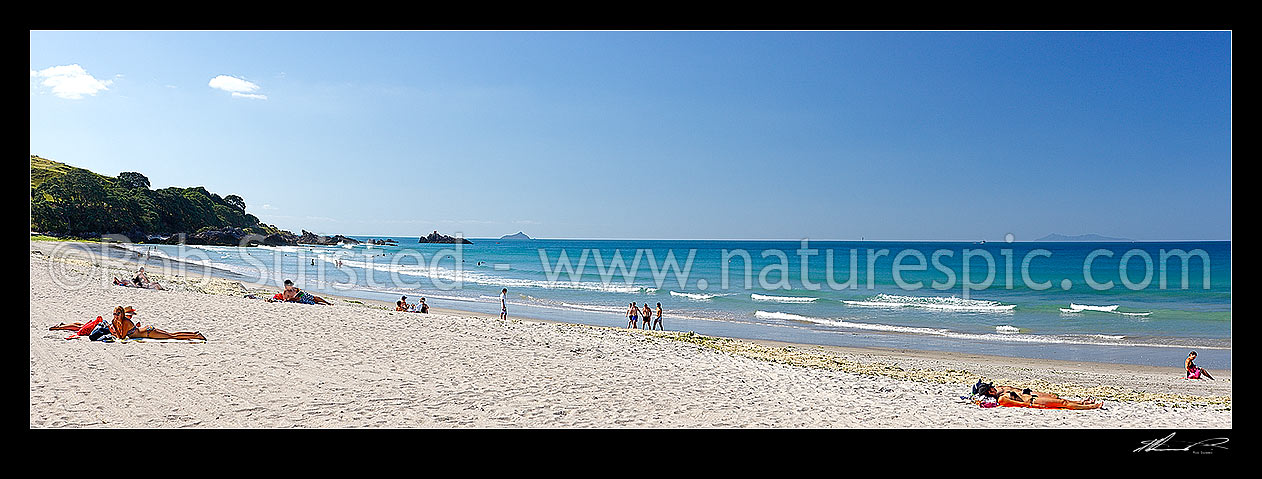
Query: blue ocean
x=1146, y=303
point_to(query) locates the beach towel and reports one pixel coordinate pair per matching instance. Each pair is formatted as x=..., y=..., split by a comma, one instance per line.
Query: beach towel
x=86, y=329
x=151, y=340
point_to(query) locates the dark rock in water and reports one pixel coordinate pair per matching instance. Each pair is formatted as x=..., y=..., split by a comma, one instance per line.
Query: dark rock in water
x=222, y=237
x=312, y=238
x=233, y=236
x=384, y=242
x=230, y=236
x=518, y=236
x=438, y=238
x=279, y=240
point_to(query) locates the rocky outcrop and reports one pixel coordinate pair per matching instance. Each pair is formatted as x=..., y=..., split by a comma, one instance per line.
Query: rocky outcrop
x=384, y=242
x=439, y=238
x=278, y=239
x=312, y=238
x=233, y=237
x=218, y=237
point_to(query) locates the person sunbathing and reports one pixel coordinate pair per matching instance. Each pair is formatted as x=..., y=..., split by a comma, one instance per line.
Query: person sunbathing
x=142, y=280
x=1025, y=397
x=294, y=295
x=80, y=329
x=300, y=296
x=1194, y=371
x=122, y=327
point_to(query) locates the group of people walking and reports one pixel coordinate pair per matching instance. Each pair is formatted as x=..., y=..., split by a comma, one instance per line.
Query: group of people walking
x=635, y=314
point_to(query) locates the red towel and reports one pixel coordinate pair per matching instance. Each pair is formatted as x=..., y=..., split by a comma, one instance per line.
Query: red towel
x=86, y=329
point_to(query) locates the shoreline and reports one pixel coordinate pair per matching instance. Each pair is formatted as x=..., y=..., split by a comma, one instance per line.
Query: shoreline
x=124, y=253
x=889, y=353
x=1127, y=381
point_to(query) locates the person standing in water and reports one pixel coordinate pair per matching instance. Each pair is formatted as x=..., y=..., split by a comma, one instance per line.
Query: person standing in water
x=657, y=321
x=504, y=303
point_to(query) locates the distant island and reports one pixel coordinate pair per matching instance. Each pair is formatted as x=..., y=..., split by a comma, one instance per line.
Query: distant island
x=518, y=236
x=1084, y=238
x=440, y=238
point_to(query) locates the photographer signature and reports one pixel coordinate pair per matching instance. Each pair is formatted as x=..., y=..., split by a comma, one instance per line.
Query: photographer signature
x=1157, y=444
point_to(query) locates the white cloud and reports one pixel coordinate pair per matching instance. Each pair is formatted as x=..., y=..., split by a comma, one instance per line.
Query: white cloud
x=71, y=82
x=239, y=88
x=232, y=84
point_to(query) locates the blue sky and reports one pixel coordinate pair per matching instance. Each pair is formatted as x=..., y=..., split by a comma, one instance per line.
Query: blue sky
x=777, y=135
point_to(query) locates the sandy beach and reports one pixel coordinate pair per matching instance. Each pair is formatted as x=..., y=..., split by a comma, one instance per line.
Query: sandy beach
x=357, y=364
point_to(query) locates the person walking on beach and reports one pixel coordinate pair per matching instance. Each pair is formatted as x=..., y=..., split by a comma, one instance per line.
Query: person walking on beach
x=504, y=303
x=1194, y=371
x=657, y=321
x=648, y=316
x=632, y=314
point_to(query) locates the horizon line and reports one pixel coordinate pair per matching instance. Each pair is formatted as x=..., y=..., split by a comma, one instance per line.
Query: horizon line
x=809, y=239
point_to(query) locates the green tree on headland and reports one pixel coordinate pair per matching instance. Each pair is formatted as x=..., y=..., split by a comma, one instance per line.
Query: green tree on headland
x=74, y=201
x=132, y=179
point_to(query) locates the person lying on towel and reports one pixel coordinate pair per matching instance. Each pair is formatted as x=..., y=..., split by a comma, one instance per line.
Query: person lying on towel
x=122, y=327
x=1024, y=397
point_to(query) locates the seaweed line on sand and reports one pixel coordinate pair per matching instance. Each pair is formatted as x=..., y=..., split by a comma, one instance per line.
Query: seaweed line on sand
x=794, y=357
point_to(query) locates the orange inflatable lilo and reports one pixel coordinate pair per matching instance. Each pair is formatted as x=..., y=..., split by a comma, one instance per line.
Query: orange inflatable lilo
x=1009, y=396
x=122, y=327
